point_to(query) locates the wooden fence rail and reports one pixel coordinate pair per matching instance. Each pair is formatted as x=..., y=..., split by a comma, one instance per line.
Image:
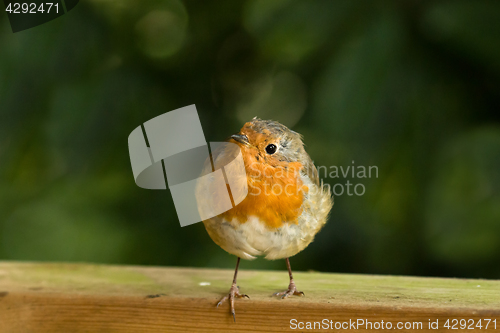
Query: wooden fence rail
x=59, y=297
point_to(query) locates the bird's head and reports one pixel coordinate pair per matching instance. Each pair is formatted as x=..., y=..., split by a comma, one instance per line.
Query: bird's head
x=270, y=143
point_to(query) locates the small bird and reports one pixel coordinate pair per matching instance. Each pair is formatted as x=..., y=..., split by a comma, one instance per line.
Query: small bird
x=285, y=207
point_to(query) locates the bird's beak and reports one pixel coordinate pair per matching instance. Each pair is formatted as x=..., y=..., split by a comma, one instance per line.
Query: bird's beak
x=243, y=139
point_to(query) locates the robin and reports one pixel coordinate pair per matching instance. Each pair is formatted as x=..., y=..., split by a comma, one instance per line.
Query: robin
x=285, y=207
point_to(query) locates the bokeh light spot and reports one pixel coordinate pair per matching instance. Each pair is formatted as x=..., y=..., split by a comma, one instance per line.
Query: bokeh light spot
x=282, y=97
x=161, y=33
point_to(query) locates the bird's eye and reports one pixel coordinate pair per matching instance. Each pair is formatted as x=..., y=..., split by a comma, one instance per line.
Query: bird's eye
x=271, y=149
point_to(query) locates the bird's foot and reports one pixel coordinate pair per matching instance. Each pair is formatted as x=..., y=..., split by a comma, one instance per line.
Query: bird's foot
x=292, y=290
x=234, y=292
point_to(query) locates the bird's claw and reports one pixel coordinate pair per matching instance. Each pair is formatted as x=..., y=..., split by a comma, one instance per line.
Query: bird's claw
x=292, y=290
x=234, y=292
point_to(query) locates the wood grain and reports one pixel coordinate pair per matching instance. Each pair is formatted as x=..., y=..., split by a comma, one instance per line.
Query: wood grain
x=49, y=297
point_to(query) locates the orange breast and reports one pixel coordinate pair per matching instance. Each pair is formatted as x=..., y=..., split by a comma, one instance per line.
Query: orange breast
x=275, y=193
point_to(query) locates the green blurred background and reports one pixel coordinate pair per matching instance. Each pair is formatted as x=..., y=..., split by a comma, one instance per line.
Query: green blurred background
x=412, y=87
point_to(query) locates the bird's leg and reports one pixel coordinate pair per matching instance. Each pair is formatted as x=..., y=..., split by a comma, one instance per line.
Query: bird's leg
x=234, y=291
x=292, y=289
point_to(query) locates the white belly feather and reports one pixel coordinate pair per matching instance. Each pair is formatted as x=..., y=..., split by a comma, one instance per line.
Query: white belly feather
x=253, y=238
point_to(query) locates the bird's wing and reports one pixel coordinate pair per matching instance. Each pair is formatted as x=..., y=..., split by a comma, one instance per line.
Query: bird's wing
x=310, y=169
